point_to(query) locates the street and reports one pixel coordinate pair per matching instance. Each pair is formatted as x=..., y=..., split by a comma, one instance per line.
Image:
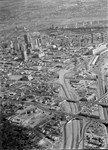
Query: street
x=72, y=128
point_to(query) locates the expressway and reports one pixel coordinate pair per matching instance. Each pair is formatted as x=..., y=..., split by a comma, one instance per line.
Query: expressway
x=99, y=70
x=72, y=128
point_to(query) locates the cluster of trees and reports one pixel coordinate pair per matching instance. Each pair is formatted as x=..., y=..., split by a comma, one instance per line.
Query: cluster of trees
x=15, y=137
x=96, y=128
x=8, y=109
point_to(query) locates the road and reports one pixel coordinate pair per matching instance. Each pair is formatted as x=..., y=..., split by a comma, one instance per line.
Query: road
x=100, y=86
x=72, y=128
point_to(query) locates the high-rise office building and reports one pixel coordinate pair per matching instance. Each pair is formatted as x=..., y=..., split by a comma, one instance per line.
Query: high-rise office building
x=92, y=38
x=33, y=43
x=11, y=45
x=16, y=45
x=27, y=40
x=102, y=37
x=28, y=51
x=40, y=41
x=24, y=52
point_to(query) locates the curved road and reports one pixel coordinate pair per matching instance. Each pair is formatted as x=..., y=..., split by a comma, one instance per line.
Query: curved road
x=72, y=128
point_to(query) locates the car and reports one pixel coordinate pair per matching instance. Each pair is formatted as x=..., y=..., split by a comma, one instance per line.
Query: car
x=33, y=100
x=59, y=66
x=24, y=99
x=56, y=60
x=12, y=94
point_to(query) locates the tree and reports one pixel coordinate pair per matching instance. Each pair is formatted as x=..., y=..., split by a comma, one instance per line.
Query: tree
x=17, y=138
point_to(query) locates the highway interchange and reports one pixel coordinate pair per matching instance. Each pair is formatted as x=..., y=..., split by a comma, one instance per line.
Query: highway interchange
x=73, y=129
x=73, y=126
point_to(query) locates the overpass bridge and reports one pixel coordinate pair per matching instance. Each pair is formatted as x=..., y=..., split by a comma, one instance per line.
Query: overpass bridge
x=73, y=130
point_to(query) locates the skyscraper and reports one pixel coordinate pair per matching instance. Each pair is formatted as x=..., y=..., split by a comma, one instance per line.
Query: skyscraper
x=28, y=43
x=11, y=45
x=102, y=37
x=24, y=52
x=38, y=42
x=27, y=40
x=16, y=45
x=92, y=38
x=33, y=43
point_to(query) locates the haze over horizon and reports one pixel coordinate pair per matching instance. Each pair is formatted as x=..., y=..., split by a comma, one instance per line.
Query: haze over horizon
x=43, y=13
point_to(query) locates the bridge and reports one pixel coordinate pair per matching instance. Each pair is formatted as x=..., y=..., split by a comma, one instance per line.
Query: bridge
x=74, y=129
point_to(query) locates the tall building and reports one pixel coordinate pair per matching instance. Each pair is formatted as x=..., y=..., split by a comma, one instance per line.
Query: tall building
x=37, y=43
x=33, y=43
x=11, y=45
x=16, y=45
x=24, y=52
x=29, y=51
x=27, y=40
x=105, y=83
x=92, y=38
x=102, y=37
x=40, y=41
x=28, y=43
